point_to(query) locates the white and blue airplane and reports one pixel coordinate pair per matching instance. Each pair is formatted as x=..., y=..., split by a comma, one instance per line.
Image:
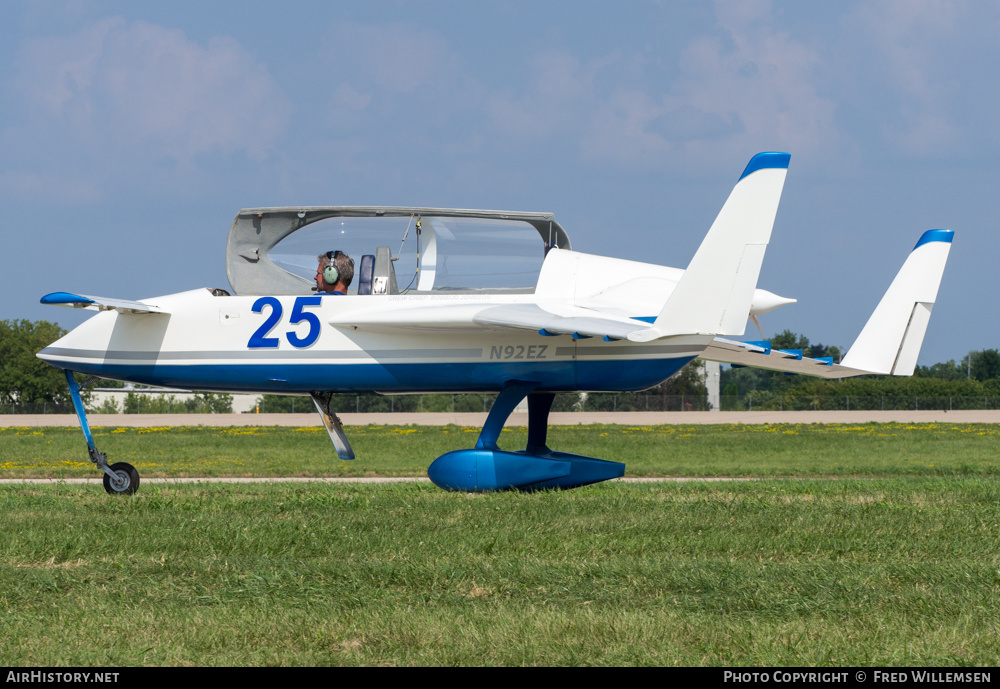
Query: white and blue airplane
x=496, y=302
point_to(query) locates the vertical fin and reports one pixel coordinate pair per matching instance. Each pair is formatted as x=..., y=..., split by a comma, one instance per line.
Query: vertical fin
x=713, y=296
x=891, y=340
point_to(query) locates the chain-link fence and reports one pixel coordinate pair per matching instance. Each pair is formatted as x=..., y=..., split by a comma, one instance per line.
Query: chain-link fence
x=625, y=402
x=359, y=404
x=40, y=408
x=135, y=403
x=774, y=402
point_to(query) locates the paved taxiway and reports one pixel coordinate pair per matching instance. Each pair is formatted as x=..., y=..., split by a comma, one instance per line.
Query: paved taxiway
x=476, y=419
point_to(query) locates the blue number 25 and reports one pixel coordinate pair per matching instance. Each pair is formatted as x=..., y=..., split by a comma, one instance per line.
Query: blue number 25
x=260, y=337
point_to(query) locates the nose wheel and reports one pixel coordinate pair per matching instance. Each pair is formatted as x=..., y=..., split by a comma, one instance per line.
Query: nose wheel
x=123, y=479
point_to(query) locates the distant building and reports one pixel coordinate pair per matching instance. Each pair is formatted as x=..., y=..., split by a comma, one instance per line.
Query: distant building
x=243, y=402
x=713, y=376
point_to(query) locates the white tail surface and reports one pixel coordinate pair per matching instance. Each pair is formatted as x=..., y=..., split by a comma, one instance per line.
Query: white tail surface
x=714, y=295
x=891, y=340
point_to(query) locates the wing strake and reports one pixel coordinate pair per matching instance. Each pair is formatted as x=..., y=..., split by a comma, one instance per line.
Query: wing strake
x=83, y=301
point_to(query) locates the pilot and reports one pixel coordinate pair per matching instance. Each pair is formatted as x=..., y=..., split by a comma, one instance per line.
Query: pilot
x=335, y=272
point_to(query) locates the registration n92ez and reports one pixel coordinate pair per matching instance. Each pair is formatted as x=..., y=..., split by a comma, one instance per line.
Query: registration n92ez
x=518, y=352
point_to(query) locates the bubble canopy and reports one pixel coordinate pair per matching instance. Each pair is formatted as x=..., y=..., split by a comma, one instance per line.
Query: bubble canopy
x=274, y=250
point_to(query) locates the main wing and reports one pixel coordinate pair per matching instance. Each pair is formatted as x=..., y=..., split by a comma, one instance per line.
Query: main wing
x=762, y=355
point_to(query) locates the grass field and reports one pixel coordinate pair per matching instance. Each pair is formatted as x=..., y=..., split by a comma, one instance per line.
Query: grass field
x=896, y=562
x=886, y=450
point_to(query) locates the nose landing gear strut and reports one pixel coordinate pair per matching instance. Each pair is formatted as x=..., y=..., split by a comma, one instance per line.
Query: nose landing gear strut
x=120, y=478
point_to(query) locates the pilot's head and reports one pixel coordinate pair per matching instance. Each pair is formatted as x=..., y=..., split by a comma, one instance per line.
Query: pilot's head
x=335, y=272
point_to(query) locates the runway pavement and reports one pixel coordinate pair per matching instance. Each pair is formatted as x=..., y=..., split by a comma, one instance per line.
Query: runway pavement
x=476, y=419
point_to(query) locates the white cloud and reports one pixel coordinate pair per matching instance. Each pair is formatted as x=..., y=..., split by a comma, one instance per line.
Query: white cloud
x=347, y=95
x=922, y=76
x=138, y=89
x=903, y=31
x=622, y=129
x=347, y=107
x=761, y=81
x=393, y=58
x=560, y=94
x=395, y=86
x=909, y=49
x=742, y=84
x=28, y=185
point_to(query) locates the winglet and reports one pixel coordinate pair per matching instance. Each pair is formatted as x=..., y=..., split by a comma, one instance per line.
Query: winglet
x=891, y=340
x=714, y=295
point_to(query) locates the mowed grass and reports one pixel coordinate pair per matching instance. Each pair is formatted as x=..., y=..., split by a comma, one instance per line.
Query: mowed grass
x=885, y=450
x=887, y=553
x=774, y=572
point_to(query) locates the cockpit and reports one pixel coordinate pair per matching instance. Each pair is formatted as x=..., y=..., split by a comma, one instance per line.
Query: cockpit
x=395, y=250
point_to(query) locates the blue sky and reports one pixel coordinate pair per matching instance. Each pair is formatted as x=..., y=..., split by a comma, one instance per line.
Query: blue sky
x=131, y=133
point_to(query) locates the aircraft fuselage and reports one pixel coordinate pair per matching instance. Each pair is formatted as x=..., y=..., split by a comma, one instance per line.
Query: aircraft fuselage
x=286, y=345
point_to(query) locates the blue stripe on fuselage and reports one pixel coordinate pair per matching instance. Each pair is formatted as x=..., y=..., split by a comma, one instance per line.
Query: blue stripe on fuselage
x=634, y=374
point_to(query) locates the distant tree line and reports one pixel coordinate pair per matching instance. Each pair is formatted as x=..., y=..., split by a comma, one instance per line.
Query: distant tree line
x=24, y=378
x=975, y=378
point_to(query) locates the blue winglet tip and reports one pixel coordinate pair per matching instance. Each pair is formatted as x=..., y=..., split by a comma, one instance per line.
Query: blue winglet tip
x=763, y=161
x=65, y=298
x=935, y=236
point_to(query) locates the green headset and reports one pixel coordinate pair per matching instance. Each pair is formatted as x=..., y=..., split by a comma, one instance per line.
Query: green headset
x=330, y=273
